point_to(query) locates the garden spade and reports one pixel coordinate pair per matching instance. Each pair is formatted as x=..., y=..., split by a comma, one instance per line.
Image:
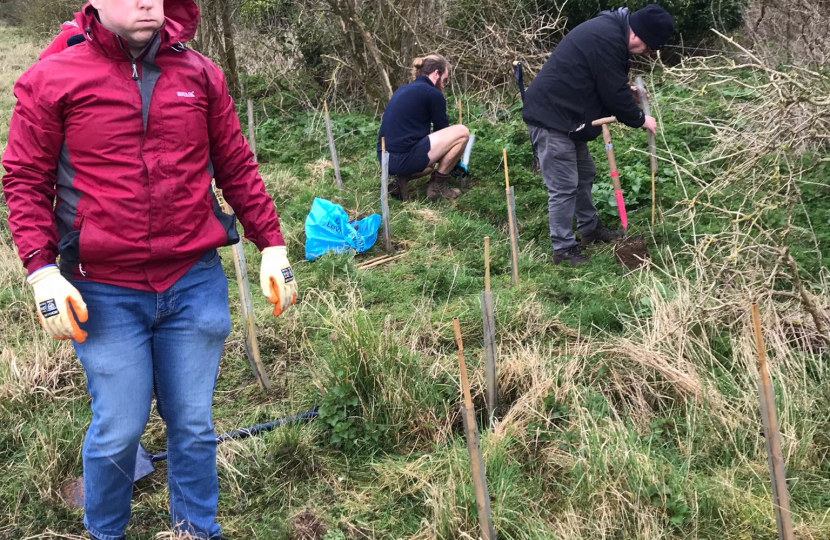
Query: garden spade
x=72, y=492
x=612, y=166
x=630, y=252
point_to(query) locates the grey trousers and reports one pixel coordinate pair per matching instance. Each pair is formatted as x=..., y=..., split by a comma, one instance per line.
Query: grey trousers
x=568, y=171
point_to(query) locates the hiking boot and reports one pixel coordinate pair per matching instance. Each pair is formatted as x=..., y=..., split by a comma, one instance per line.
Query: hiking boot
x=399, y=188
x=573, y=255
x=600, y=234
x=438, y=187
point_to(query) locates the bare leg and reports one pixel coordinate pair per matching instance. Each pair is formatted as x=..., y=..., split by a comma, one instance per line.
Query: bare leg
x=399, y=185
x=447, y=147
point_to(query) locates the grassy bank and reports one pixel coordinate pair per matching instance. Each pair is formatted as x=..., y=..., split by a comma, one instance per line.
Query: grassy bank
x=628, y=399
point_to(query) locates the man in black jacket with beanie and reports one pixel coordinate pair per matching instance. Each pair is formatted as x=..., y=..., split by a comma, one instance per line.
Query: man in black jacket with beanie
x=586, y=78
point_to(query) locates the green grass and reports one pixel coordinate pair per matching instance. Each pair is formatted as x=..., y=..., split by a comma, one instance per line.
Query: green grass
x=628, y=403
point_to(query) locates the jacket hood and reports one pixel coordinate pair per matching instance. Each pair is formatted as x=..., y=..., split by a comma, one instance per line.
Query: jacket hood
x=181, y=17
x=620, y=15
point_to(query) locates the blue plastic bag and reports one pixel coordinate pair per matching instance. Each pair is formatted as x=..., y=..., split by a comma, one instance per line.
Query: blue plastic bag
x=327, y=228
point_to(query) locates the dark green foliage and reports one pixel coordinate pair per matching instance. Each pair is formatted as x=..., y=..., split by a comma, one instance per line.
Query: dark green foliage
x=693, y=19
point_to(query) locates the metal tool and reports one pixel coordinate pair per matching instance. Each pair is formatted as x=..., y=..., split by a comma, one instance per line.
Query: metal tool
x=518, y=72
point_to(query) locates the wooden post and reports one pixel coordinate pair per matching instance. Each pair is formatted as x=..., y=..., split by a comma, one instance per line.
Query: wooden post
x=490, y=373
x=251, y=128
x=652, y=148
x=459, y=113
x=247, y=304
x=335, y=162
x=384, y=195
x=485, y=519
x=511, y=223
x=778, y=476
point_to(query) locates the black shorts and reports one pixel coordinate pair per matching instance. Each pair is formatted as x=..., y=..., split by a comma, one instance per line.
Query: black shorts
x=411, y=162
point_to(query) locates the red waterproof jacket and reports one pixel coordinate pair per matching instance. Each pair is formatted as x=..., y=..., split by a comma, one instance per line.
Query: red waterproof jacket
x=68, y=29
x=128, y=147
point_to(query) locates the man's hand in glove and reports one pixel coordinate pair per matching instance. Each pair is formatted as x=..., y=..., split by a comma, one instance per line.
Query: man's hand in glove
x=53, y=296
x=277, y=279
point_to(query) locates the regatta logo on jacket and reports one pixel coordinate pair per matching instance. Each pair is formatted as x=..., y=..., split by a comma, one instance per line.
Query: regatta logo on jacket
x=186, y=94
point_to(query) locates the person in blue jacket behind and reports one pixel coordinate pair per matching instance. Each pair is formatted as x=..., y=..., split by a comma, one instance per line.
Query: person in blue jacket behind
x=418, y=134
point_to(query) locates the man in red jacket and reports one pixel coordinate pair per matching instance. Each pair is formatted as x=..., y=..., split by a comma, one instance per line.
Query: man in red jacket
x=111, y=151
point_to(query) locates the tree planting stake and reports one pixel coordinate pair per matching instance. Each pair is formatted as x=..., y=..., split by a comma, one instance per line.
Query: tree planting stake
x=485, y=519
x=511, y=223
x=384, y=196
x=491, y=394
x=778, y=477
x=652, y=148
x=332, y=149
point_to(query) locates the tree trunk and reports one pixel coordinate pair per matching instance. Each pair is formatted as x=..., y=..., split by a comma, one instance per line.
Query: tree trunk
x=231, y=65
x=348, y=13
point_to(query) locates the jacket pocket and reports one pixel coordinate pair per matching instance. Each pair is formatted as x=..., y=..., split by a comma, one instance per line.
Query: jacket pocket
x=227, y=221
x=68, y=249
x=97, y=245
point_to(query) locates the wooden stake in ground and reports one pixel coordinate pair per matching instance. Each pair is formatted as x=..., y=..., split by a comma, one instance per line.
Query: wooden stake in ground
x=485, y=518
x=511, y=222
x=491, y=393
x=778, y=477
x=652, y=148
x=332, y=149
x=384, y=195
x=459, y=113
x=251, y=128
x=251, y=345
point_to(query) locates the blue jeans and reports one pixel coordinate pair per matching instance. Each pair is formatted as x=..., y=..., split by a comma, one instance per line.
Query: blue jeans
x=141, y=343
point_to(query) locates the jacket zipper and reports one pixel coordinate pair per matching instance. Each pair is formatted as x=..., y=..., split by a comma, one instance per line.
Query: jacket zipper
x=130, y=57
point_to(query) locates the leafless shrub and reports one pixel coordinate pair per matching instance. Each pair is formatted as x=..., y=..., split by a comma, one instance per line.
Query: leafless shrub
x=794, y=31
x=765, y=144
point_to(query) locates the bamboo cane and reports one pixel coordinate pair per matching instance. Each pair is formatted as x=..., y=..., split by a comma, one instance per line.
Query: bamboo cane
x=778, y=476
x=374, y=264
x=459, y=113
x=485, y=519
x=511, y=224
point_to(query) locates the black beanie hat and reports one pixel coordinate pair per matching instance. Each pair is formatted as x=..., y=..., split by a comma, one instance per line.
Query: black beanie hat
x=653, y=25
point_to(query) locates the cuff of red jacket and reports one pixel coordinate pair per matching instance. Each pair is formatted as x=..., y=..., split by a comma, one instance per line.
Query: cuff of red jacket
x=269, y=240
x=38, y=260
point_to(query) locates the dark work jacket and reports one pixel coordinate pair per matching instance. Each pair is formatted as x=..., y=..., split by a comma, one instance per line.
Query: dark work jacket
x=414, y=107
x=585, y=78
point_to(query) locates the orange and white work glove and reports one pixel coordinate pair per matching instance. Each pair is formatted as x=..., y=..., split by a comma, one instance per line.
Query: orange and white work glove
x=277, y=279
x=53, y=296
